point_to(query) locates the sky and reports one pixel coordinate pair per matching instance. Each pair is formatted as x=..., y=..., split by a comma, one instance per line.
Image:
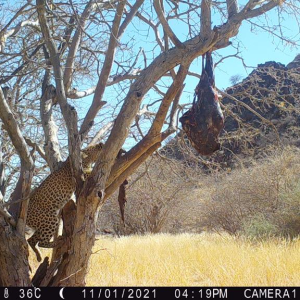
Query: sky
x=258, y=46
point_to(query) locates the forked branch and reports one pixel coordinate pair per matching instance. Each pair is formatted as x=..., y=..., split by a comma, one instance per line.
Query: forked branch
x=103, y=78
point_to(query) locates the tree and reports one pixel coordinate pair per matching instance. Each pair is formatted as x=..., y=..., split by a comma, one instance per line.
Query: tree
x=50, y=52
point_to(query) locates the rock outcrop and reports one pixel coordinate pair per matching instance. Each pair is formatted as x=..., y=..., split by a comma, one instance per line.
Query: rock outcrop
x=261, y=112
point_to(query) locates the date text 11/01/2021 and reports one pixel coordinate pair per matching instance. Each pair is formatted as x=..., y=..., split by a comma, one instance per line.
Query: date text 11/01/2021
x=150, y=293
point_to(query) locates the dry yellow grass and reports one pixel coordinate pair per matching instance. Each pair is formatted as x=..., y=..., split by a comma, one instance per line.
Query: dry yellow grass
x=192, y=260
x=186, y=260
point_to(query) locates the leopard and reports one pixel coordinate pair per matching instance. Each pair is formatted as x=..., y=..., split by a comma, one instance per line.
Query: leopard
x=48, y=199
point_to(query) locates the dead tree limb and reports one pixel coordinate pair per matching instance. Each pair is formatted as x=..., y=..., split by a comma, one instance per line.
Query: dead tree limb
x=107, y=66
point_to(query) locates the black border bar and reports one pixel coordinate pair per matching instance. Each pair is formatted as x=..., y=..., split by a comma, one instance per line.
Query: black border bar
x=83, y=293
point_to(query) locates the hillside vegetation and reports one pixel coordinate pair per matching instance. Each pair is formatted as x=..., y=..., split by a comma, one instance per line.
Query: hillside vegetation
x=167, y=196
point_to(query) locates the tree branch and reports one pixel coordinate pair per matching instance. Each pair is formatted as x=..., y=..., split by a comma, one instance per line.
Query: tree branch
x=67, y=35
x=248, y=12
x=118, y=181
x=205, y=24
x=68, y=74
x=155, y=29
x=37, y=147
x=264, y=120
x=107, y=66
x=5, y=35
x=167, y=29
x=22, y=189
x=231, y=27
x=21, y=67
x=14, y=132
x=53, y=156
x=74, y=94
x=174, y=110
x=2, y=174
x=8, y=217
x=174, y=89
x=69, y=112
x=18, y=13
x=232, y=7
x=130, y=16
x=100, y=134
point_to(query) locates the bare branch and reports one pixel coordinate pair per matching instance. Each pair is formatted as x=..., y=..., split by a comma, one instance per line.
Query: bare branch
x=22, y=189
x=18, y=13
x=266, y=121
x=67, y=35
x=8, y=217
x=155, y=29
x=130, y=16
x=231, y=27
x=74, y=94
x=107, y=66
x=21, y=67
x=128, y=76
x=75, y=45
x=5, y=35
x=252, y=13
x=205, y=25
x=174, y=110
x=14, y=132
x=37, y=147
x=89, y=8
x=2, y=175
x=118, y=181
x=232, y=7
x=69, y=113
x=167, y=29
x=100, y=134
x=174, y=90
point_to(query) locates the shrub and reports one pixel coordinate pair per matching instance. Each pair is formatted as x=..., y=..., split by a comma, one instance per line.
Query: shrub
x=260, y=200
x=288, y=214
x=259, y=227
x=160, y=199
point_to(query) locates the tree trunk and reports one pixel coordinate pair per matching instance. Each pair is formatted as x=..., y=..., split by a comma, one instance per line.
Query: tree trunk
x=82, y=243
x=14, y=266
x=89, y=203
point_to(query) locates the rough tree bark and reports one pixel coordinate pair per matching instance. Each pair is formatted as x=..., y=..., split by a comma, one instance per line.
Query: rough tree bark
x=14, y=264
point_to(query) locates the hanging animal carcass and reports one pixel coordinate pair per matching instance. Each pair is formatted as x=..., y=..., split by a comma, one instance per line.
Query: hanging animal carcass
x=203, y=122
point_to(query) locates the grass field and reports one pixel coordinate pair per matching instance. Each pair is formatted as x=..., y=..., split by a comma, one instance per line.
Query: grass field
x=187, y=260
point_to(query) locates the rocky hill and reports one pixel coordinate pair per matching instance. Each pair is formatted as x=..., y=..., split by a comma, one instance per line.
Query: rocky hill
x=262, y=112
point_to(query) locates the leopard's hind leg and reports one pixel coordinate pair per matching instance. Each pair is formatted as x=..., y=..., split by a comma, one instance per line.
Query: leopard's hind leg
x=33, y=243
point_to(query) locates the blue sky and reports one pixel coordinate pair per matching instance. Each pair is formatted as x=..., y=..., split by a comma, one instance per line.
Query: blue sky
x=258, y=46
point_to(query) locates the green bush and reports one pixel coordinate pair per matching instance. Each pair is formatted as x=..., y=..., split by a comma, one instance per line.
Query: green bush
x=258, y=227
